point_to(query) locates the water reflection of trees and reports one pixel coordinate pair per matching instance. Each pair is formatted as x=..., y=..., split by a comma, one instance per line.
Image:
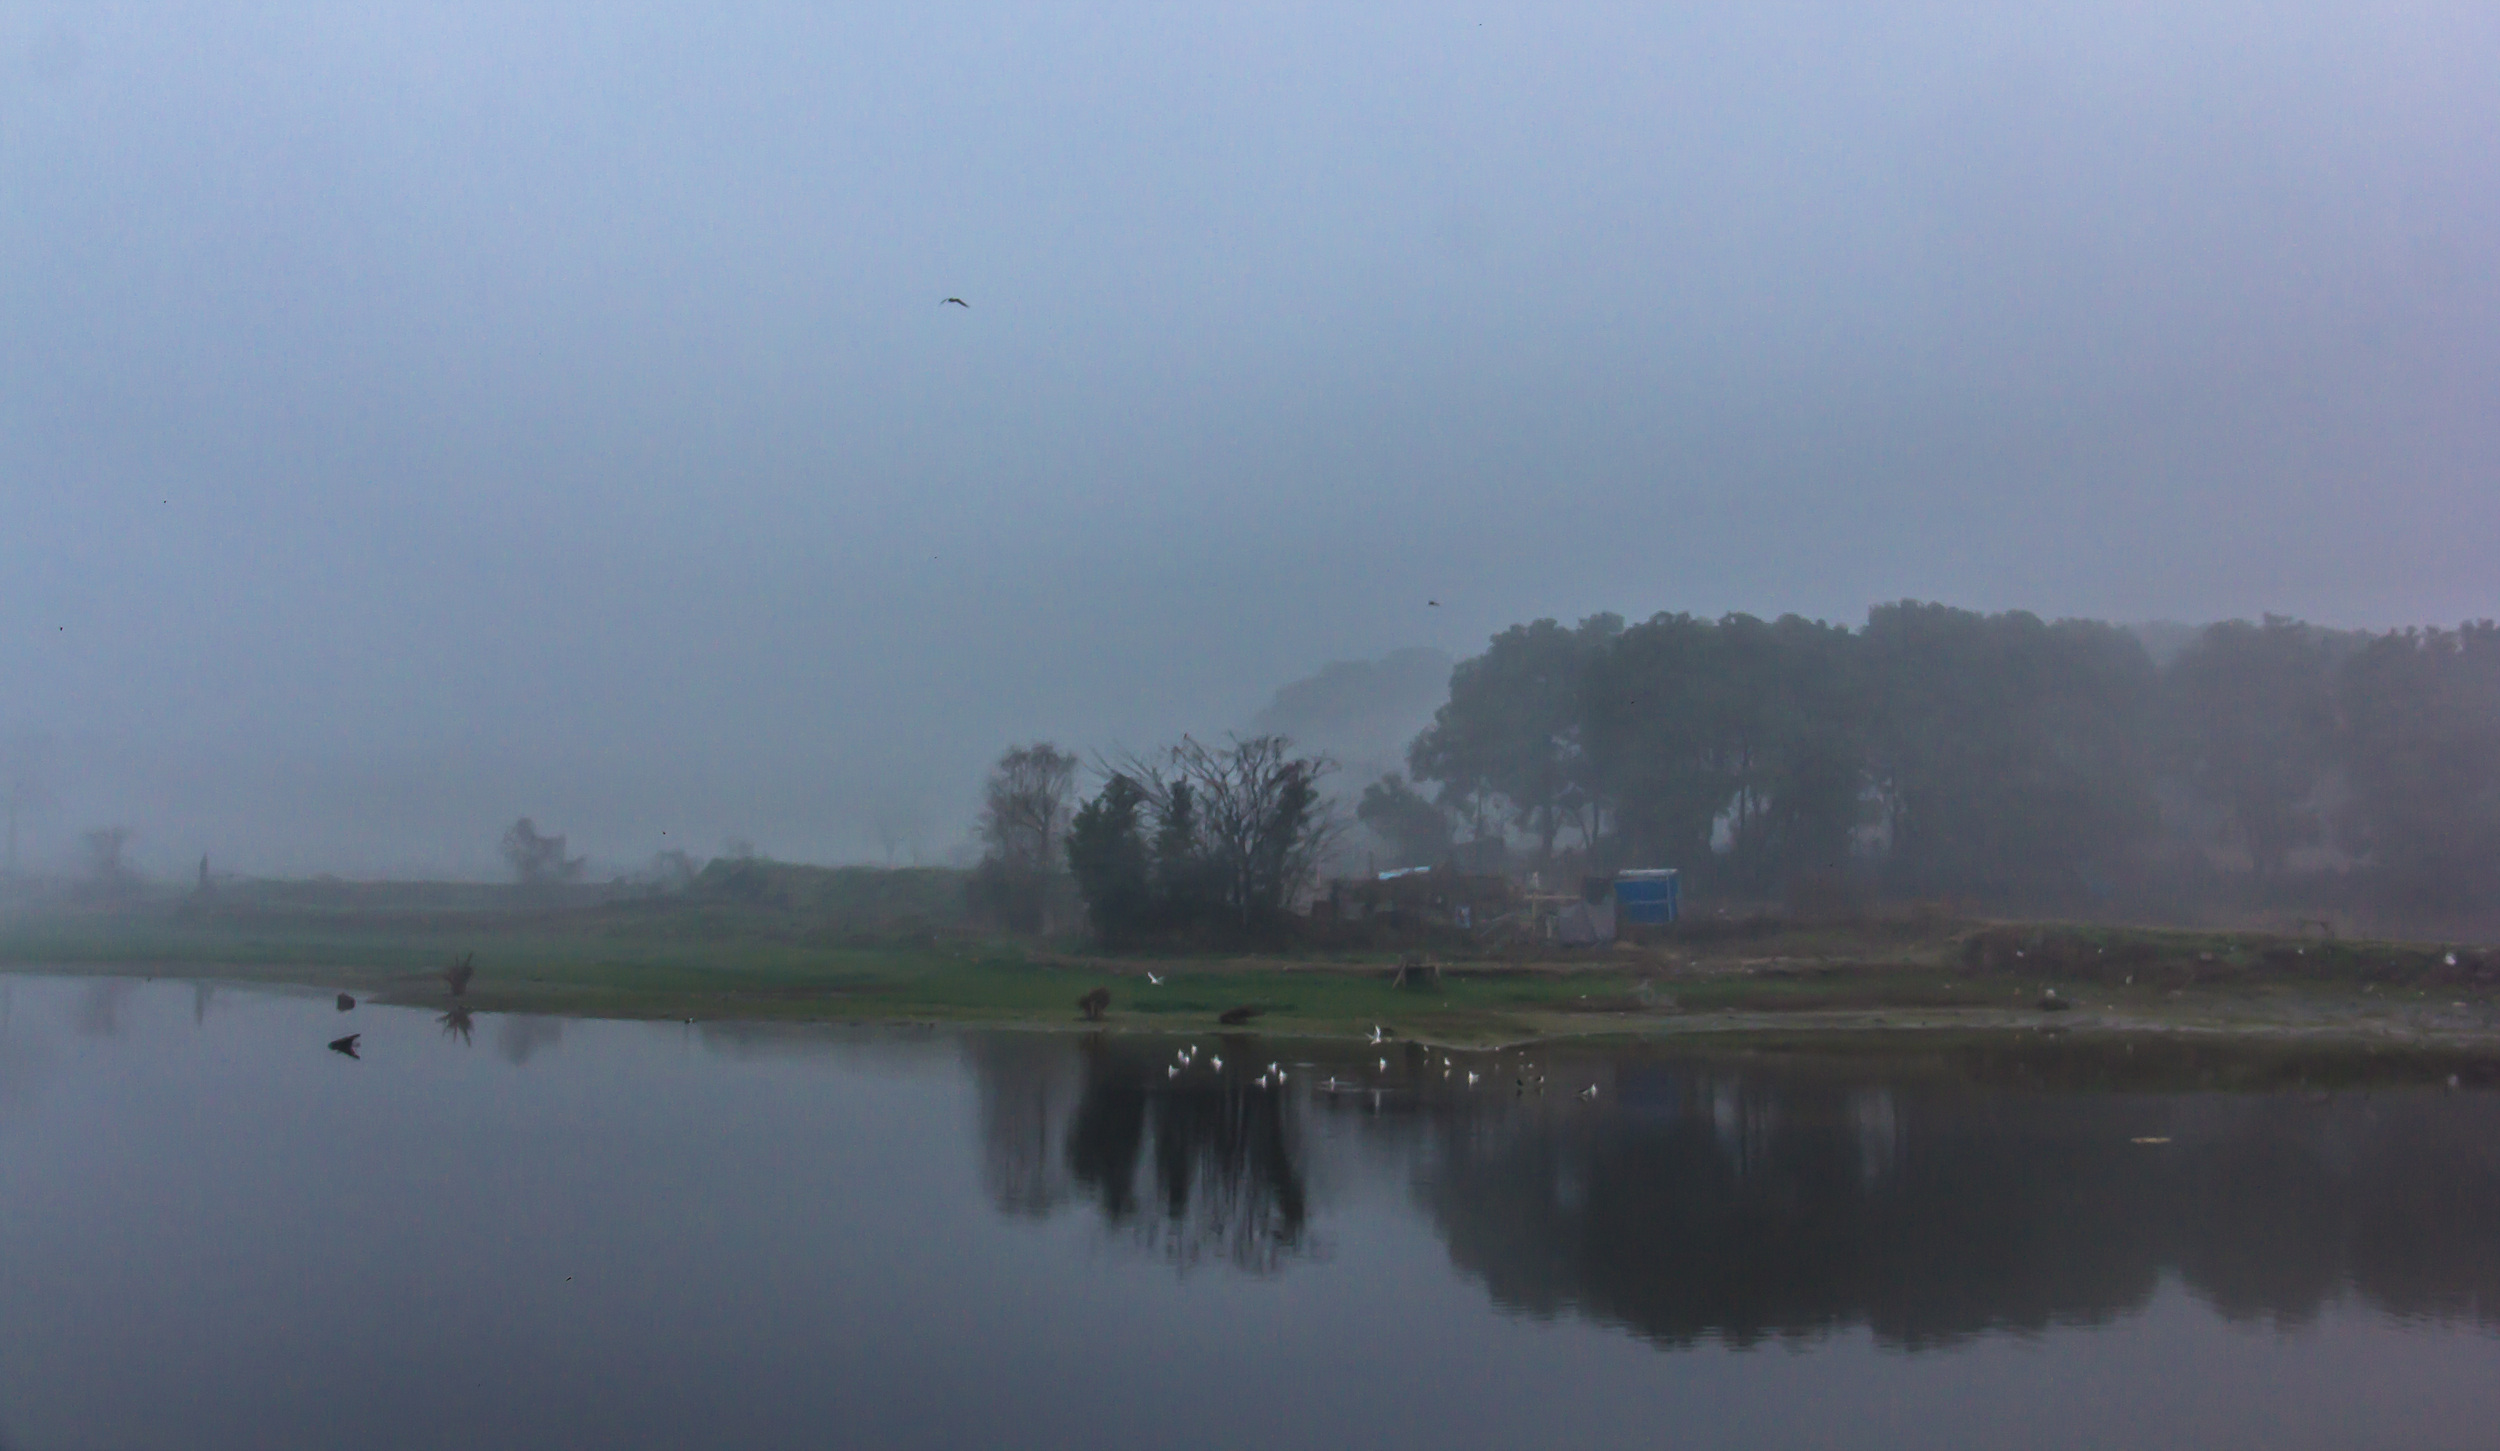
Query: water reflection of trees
x=1749, y=1204
x=1756, y=1199
x=100, y=1007
x=520, y=1037
x=1206, y=1165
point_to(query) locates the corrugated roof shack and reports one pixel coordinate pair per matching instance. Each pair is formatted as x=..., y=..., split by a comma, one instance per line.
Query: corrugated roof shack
x=1647, y=899
x=1439, y=896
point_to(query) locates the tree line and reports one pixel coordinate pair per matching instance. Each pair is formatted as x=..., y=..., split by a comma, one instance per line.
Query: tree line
x=1942, y=751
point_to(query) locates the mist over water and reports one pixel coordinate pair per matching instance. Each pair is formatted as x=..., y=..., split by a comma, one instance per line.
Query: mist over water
x=416, y=417
x=216, y=1233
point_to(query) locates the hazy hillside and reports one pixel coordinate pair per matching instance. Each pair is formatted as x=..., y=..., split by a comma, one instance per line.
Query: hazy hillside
x=1362, y=712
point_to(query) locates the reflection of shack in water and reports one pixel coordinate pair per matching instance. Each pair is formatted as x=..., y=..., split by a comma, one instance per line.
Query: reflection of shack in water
x=1191, y=1165
x=1409, y=897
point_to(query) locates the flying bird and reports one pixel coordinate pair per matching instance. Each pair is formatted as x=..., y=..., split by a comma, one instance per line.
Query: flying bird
x=1433, y=604
x=346, y=1045
x=959, y=302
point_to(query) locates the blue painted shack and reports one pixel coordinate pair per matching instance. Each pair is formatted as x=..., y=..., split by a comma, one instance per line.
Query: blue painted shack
x=1647, y=897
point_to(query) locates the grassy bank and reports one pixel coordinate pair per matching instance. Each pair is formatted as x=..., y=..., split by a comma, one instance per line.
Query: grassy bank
x=715, y=956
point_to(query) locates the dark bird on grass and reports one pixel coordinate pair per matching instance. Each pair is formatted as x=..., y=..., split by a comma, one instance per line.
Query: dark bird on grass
x=959, y=302
x=1235, y=1017
x=346, y=1045
x=345, y=1002
x=459, y=973
x=1094, y=1004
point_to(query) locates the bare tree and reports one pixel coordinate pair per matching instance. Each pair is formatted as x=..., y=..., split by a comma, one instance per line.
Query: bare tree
x=1024, y=813
x=1259, y=823
x=1024, y=819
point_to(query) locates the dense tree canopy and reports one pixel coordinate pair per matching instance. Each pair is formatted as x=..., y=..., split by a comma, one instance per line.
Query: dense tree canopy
x=2420, y=716
x=1417, y=830
x=2252, y=731
x=1511, y=731
x=2001, y=757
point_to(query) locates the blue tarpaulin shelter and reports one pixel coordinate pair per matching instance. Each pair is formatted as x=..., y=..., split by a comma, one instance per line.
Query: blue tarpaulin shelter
x=1647, y=898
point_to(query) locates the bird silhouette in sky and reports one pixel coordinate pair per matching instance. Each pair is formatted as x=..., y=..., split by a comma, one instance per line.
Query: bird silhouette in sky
x=346, y=1045
x=959, y=302
x=1435, y=604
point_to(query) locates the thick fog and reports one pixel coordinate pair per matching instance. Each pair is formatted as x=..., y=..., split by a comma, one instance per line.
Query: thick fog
x=413, y=415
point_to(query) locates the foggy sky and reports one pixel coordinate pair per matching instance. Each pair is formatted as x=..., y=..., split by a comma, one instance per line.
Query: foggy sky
x=415, y=414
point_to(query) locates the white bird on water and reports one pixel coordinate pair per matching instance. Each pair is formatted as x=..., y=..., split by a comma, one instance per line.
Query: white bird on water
x=1377, y=1035
x=1217, y=1064
x=1589, y=1092
x=1384, y=1065
x=1471, y=1078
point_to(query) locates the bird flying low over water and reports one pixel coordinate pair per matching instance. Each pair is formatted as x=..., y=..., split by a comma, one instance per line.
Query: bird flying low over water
x=959, y=302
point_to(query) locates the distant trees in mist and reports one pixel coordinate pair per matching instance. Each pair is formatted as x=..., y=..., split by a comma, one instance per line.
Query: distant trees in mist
x=109, y=872
x=537, y=859
x=1025, y=808
x=1944, y=751
x=1417, y=829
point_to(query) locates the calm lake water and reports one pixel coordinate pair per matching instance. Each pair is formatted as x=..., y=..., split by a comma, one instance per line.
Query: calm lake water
x=532, y=1232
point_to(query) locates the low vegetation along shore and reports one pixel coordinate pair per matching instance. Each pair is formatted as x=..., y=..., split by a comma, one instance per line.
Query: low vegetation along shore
x=714, y=958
